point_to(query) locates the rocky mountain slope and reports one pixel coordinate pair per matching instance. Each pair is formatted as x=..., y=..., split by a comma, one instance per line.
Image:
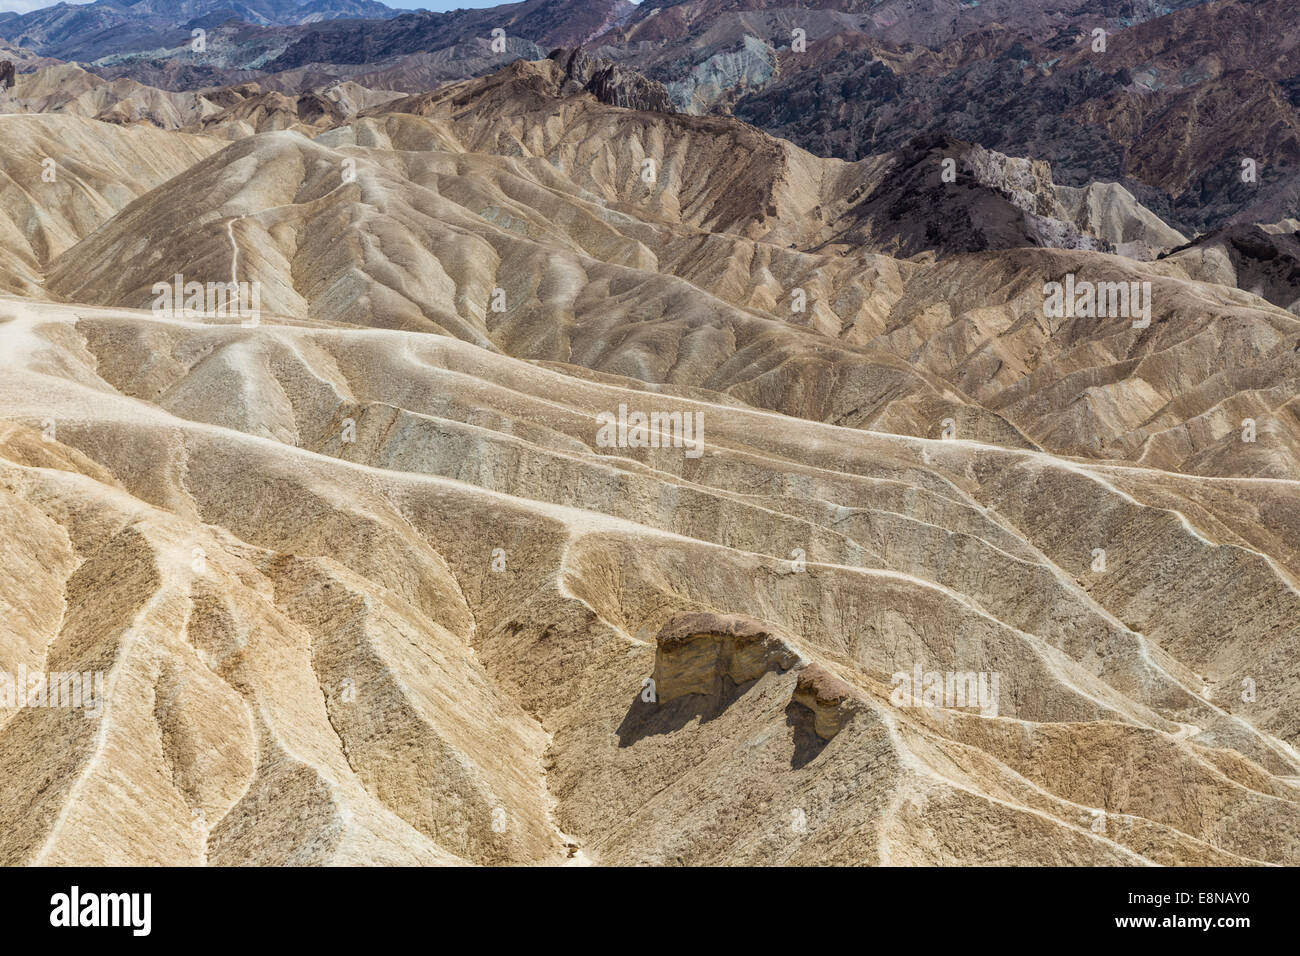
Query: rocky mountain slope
x=1189, y=106
x=1261, y=259
x=1169, y=108
x=88, y=31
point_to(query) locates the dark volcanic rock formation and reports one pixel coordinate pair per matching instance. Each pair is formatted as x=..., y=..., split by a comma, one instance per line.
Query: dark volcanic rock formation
x=1263, y=260
x=1169, y=108
x=611, y=83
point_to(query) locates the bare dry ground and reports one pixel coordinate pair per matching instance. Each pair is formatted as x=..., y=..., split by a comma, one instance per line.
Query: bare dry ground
x=368, y=584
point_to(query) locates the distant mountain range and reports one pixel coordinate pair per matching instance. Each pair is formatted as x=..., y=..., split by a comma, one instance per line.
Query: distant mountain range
x=107, y=27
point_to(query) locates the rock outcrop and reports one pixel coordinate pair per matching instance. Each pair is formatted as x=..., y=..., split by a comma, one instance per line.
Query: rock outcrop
x=705, y=653
x=1263, y=260
x=611, y=83
x=832, y=701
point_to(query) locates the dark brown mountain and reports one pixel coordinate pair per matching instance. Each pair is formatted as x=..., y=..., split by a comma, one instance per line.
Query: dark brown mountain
x=95, y=30
x=1169, y=109
x=549, y=23
x=611, y=83
x=1263, y=260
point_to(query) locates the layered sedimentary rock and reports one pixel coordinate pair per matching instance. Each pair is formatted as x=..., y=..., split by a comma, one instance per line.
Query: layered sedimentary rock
x=708, y=654
x=386, y=569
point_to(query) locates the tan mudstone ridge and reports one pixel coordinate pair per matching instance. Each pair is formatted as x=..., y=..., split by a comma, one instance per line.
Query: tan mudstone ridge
x=365, y=587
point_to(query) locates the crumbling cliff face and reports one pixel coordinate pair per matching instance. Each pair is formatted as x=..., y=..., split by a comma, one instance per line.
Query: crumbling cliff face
x=713, y=655
x=705, y=653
